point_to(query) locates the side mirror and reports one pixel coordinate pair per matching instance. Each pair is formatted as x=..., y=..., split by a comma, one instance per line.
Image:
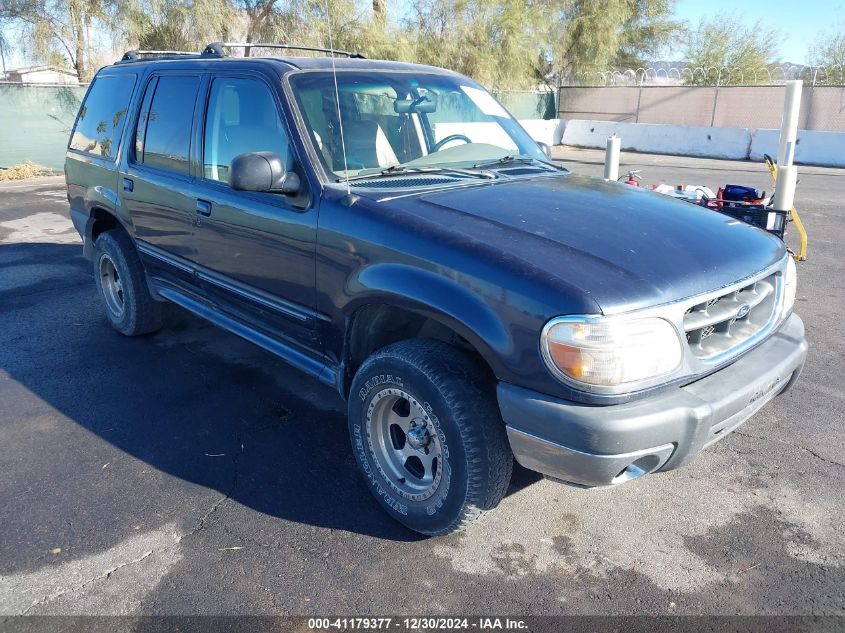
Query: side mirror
x=261, y=171
x=546, y=149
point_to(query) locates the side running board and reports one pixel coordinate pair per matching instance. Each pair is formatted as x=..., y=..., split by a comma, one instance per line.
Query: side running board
x=297, y=359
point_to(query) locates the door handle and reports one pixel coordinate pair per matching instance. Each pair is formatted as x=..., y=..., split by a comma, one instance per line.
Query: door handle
x=128, y=184
x=203, y=208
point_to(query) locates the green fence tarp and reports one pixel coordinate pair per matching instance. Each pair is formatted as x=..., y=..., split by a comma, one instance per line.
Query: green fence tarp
x=530, y=105
x=35, y=123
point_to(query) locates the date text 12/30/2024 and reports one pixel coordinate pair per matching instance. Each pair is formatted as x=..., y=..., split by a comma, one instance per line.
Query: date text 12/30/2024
x=415, y=624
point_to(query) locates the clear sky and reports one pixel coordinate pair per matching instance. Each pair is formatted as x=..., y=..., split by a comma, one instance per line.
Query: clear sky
x=798, y=21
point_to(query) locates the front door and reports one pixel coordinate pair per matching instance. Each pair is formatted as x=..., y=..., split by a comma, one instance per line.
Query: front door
x=256, y=250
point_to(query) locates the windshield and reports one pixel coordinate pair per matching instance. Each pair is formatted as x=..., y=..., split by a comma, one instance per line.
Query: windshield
x=413, y=120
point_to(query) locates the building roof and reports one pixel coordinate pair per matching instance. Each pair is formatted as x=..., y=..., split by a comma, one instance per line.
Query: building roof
x=25, y=70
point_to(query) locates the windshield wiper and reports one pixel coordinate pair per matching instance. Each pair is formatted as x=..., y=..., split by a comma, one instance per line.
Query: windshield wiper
x=508, y=160
x=402, y=170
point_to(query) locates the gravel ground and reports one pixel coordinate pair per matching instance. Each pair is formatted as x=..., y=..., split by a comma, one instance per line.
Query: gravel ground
x=191, y=473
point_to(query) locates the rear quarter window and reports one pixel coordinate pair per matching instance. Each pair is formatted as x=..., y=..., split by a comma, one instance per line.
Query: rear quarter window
x=102, y=116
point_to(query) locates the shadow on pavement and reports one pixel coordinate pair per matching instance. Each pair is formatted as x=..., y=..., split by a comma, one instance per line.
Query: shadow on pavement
x=192, y=401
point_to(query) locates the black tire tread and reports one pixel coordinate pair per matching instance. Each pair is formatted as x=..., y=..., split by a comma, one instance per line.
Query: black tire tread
x=473, y=407
x=143, y=313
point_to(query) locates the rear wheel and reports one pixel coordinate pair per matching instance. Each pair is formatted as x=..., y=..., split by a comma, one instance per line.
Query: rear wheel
x=122, y=285
x=428, y=437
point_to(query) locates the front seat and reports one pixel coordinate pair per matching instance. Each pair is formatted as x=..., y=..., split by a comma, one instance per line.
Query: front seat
x=367, y=145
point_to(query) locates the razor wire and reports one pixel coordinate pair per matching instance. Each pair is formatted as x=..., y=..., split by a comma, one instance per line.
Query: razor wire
x=832, y=75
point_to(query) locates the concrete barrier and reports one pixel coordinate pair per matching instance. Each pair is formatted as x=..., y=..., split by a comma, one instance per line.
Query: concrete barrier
x=548, y=131
x=709, y=142
x=813, y=147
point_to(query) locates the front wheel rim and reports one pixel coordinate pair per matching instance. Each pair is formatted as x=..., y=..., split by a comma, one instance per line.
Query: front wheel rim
x=404, y=443
x=112, y=285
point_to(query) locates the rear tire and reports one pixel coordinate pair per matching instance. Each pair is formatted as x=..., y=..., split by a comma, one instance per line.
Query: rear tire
x=428, y=436
x=122, y=284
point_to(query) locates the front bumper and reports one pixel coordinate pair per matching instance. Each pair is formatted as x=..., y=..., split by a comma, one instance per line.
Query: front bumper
x=606, y=445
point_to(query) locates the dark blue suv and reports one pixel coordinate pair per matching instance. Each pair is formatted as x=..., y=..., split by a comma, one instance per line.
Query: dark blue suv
x=391, y=230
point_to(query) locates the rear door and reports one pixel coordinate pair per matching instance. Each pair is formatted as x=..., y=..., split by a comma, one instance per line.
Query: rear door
x=90, y=163
x=256, y=250
x=156, y=183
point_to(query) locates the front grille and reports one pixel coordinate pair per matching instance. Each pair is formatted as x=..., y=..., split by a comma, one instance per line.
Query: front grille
x=719, y=325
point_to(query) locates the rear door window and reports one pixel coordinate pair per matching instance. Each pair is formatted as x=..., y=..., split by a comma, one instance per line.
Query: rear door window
x=103, y=115
x=163, y=138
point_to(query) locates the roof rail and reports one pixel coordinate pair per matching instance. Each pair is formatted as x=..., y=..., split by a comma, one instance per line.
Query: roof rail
x=216, y=48
x=140, y=54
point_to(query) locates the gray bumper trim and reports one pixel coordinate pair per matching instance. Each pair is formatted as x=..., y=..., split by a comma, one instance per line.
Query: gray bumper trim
x=562, y=462
x=592, y=445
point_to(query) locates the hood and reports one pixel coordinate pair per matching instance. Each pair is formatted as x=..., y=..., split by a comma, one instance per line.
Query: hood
x=624, y=247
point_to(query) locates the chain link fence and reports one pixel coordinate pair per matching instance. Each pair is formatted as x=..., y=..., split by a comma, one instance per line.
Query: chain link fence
x=753, y=107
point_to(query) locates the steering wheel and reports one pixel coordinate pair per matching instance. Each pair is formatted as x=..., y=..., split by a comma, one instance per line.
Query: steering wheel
x=452, y=137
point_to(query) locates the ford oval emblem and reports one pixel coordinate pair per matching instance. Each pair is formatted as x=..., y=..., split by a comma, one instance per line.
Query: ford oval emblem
x=743, y=311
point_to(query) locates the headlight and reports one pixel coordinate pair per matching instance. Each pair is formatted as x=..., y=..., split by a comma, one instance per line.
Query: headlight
x=790, y=285
x=612, y=351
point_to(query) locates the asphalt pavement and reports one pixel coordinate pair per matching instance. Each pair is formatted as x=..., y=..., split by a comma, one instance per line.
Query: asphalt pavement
x=189, y=472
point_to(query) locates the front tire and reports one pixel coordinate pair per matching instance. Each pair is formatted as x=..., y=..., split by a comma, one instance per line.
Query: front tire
x=122, y=284
x=428, y=436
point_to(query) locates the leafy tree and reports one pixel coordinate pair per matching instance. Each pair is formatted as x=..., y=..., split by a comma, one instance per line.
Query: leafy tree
x=58, y=31
x=497, y=43
x=648, y=27
x=597, y=35
x=190, y=24
x=4, y=46
x=504, y=44
x=357, y=25
x=829, y=51
x=268, y=20
x=181, y=25
x=379, y=10
x=725, y=41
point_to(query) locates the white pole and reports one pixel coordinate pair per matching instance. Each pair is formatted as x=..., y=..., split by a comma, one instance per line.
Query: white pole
x=785, y=188
x=611, y=158
x=789, y=125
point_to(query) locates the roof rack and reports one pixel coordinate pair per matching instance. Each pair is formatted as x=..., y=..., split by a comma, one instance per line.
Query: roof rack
x=216, y=48
x=139, y=54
